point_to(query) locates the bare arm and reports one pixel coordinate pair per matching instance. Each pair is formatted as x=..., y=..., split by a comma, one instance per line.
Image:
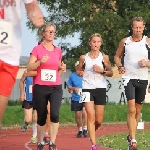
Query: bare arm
x=31, y=73
x=34, y=13
x=81, y=62
x=119, y=52
x=148, y=42
x=62, y=68
x=144, y=62
x=71, y=88
x=33, y=63
x=79, y=69
x=109, y=72
x=117, y=57
x=21, y=86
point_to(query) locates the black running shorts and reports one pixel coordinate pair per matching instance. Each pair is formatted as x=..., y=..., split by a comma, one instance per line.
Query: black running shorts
x=97, y=95
x=76, y=106
x=136, y=89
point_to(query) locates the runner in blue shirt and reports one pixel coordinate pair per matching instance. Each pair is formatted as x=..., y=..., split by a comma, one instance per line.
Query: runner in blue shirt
x=26, y=84
x=74, y=86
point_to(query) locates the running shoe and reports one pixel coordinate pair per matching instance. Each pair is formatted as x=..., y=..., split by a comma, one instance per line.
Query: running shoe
x=46, y=139
x=40, y=146
x=128, y=139
x=79, y=134
x=85, y=133
x=52, y=146
x=94, y=147
x=24, y=127
x=33, y=140
x=133, y=146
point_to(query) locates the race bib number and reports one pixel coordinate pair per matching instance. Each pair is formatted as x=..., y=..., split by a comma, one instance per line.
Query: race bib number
x=85, y=97
x=6, y=31
x=48, y=75
x=125, y=81
x=30, y=88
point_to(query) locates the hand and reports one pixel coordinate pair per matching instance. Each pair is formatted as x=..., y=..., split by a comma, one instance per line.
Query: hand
x=97, y=68
x=142, y=63
x=36, y=15
x=22, y=97
x=44, y=59
x=80, y=73
x=76, y=90
x=122, y=70
x=63, y=67
x=70, y=91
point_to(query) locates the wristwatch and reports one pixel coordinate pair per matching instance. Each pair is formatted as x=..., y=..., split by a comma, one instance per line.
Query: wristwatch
x=119, y=67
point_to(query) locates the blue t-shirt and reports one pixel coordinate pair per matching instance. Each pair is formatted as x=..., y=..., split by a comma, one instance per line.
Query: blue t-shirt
x=75, y=81
x=28, y=88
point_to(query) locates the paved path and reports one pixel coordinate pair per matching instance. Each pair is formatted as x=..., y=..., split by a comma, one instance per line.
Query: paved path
x=14, y=139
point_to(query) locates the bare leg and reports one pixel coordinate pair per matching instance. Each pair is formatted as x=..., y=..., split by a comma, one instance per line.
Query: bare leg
x=3, y=104
x=34, y=126
x=28, y=115
x=99, y=114
x=138, y=110
x=89, y=107
x=53, y=131
x=78, y=119
x=41, y=132
x=131, y=119
x=84, y=117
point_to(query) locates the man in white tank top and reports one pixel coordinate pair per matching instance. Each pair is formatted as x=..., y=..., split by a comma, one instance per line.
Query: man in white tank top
x=95, y=66
x=10, y=42
x=134, y=73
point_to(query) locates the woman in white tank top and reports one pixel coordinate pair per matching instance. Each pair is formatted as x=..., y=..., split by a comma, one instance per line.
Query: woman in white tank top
x=94, y=66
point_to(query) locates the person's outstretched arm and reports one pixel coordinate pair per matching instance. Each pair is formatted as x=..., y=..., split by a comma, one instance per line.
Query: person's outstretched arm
x=34, y=12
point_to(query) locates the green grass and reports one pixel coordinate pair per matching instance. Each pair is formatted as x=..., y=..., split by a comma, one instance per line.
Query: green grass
x=14, y=115
x=118, y=141
x=113, y=113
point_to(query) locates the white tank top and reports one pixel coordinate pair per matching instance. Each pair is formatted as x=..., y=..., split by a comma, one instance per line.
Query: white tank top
x=10, y=30
x=134, y=52
x=92, y=79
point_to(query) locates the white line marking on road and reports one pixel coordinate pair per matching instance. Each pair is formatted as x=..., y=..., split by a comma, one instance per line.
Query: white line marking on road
x=26, y=145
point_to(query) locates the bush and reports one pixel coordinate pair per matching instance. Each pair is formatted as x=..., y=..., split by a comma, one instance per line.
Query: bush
x=14, y=103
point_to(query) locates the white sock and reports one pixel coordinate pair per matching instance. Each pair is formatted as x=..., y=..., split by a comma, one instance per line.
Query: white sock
x=34, y=129
x=80, y=129
x=85, y=128
x=133, y=140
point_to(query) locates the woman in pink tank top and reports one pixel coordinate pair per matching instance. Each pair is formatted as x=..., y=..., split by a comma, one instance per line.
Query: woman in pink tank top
x=46, y=59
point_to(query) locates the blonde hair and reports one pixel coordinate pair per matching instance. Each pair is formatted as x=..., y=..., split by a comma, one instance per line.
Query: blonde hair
x=95, y=34
x=42, y=30
x=140, y=19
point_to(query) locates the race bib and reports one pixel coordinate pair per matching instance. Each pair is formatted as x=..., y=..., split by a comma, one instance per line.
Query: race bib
x=6, y=31
x=85, y=97
x=48, y=75
x=79, y=92
x=30, y=88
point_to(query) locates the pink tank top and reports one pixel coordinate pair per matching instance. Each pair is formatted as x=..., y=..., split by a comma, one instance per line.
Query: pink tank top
x=47, y=73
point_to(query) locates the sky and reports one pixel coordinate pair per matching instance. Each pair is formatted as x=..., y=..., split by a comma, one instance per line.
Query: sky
x=29, y=39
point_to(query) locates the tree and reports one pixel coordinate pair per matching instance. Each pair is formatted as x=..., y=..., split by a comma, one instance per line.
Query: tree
x=109, y=18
